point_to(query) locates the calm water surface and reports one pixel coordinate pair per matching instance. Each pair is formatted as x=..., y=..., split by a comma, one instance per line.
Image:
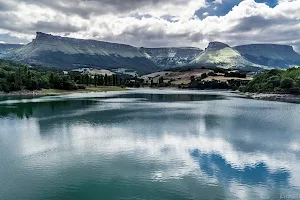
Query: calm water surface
x=148, y=144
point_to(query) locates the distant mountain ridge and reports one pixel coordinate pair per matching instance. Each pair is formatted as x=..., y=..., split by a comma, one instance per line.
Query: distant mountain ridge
x=280, y=56
x=70, y=53
x=170, y=57
x=6, y=48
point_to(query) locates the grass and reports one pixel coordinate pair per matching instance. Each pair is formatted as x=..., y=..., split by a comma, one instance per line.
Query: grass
x=88, y=89
x=223, y=78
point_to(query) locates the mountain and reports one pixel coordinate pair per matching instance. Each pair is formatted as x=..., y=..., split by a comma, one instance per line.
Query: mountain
x=6, y=48
x=171, y=57
x=68, y=53
x=279, y=56
x=218, y=54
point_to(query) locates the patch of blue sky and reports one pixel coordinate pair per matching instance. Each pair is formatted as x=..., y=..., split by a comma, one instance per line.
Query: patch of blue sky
x=222, y=7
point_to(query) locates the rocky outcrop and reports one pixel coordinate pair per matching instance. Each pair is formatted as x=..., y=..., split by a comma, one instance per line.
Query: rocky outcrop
x=215, y=46
x=221, y=55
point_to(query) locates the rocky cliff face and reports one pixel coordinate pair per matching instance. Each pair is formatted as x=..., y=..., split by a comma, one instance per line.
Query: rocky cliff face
x=280, y=56
x=215, y=46
x=69, y=53
x=171, y=57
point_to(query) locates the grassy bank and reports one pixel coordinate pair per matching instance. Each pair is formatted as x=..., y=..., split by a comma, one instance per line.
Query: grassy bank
x=88, y=89
x=58, y=92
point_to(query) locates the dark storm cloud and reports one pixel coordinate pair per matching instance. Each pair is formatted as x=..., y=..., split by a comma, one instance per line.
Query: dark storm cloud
x=54, y=27
x=259, y=22
x=11, y=22
x=265, y=30
x=87, y=8
x=148, y=34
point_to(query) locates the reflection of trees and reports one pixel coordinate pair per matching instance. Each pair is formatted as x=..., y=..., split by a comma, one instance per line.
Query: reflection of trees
x=26, y=110
x=173, y=97
x=40, y=109
x=216, y=166
x=19, y=111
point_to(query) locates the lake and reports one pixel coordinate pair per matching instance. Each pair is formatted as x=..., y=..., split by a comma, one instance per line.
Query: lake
x=148, y=144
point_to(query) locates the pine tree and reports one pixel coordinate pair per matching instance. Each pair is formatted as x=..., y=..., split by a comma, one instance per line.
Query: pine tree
x=105, y=80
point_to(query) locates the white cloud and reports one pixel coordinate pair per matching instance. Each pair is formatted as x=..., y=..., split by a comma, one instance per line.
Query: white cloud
x=248, y=22
x=2, y=42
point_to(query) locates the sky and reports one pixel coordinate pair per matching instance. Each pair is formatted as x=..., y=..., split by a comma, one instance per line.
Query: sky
x=154, y=23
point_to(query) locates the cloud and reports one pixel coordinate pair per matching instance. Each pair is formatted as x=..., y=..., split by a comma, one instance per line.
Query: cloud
x=2, y=42
x=89, y=8
x=155, y=22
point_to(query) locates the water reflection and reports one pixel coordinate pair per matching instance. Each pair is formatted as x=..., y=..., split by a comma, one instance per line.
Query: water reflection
x=215, y=165
x=38, y=109
x=149, y=147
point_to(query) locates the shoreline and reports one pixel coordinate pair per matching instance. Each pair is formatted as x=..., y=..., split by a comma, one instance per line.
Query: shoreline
x=49, y=92
x=273, y=96
x=22, y=93
x=45, y=92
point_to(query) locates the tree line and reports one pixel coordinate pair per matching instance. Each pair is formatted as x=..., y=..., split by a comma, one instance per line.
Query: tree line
x=16, y=77
x=275, y=81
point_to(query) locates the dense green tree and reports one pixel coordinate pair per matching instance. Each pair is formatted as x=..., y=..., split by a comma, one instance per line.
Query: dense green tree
x=297, y=82
x=286, y=83
x=105, y=80
x=15, y=77
x=100, y=80
x=161, y=80
x=275, y=80
x=151, y=83
x=113, y=80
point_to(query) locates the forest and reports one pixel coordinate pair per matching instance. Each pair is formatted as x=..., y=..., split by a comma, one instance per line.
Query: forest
x=275, y=81
x=16, y=77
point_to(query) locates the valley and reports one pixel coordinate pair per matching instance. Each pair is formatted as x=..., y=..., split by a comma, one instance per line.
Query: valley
x=69, y=53
x=81, y=63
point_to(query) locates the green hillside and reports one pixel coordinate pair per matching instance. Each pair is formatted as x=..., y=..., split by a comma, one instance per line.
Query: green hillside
x=275, y=81
x=18, y=77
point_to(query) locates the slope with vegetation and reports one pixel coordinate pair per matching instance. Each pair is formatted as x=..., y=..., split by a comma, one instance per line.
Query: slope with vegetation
x=221, y=55
x=18, y=77
x=275, y=81
x=69, y=53
x=274, y=55
x=204, y=78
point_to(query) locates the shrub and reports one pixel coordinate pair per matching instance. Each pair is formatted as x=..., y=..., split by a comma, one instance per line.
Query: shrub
x=242, y=88
x=286, y=83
